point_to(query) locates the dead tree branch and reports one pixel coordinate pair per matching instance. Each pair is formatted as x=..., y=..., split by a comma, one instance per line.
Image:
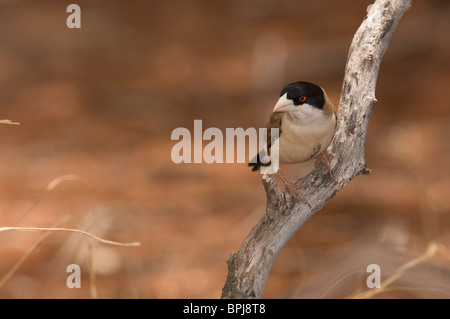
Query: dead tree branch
x=249, y=268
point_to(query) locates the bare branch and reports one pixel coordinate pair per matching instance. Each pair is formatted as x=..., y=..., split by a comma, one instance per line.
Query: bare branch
x=249, y=268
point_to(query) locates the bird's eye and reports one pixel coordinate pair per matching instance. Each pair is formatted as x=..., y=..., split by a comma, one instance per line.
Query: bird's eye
x=302, y=98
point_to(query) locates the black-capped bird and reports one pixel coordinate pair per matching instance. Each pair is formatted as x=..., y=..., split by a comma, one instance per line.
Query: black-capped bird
x=306, y=120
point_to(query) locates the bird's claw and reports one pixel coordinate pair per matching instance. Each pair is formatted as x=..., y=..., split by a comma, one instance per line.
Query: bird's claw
x=293, y=188
x=325, y=158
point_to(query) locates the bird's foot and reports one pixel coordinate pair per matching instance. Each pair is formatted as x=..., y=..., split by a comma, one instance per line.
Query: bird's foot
x=293, y=188
x=325, y=158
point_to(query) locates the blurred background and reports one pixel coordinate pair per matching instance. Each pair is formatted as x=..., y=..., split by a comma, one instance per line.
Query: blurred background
x=97, y=107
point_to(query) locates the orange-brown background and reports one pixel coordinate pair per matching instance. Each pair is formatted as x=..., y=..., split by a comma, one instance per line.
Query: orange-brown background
x=101, y=103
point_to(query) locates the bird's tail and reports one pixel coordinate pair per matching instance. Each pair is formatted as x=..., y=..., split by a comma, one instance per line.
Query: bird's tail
x=256, y=163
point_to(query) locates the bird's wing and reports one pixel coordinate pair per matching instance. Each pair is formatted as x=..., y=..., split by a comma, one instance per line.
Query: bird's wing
x=274, y=122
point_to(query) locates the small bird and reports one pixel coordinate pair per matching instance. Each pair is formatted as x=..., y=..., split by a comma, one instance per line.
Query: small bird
x=306, y=120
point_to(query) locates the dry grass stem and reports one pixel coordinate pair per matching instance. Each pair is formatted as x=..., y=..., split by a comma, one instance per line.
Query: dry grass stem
x=105, y=241
x=19, y=263
x=92, y=281
x=50, y=187
x=8, y=122
x=429, y=253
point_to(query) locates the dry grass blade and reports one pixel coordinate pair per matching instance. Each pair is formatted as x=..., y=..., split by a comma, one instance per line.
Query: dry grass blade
x=430, y=252
x=65, y=178
x=19, y=263
x=105, y=241
x=50, y=187
x=336, y=281
x=92, y=281
x=8, y=122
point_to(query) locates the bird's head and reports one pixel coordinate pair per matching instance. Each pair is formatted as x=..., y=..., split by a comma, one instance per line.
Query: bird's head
x=296, y=95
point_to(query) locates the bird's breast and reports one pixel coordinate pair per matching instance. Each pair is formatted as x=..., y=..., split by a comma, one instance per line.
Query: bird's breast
x=304, y=136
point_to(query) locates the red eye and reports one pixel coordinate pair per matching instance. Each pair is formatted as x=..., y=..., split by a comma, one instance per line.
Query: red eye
x=302, y=98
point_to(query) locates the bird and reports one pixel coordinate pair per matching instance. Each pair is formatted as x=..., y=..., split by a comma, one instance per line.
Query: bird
x=306, y=120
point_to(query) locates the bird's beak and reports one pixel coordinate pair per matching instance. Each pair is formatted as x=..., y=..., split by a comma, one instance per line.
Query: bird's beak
x=284, y=104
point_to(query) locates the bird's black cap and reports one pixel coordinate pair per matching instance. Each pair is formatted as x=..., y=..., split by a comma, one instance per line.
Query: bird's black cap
x=304, y=92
